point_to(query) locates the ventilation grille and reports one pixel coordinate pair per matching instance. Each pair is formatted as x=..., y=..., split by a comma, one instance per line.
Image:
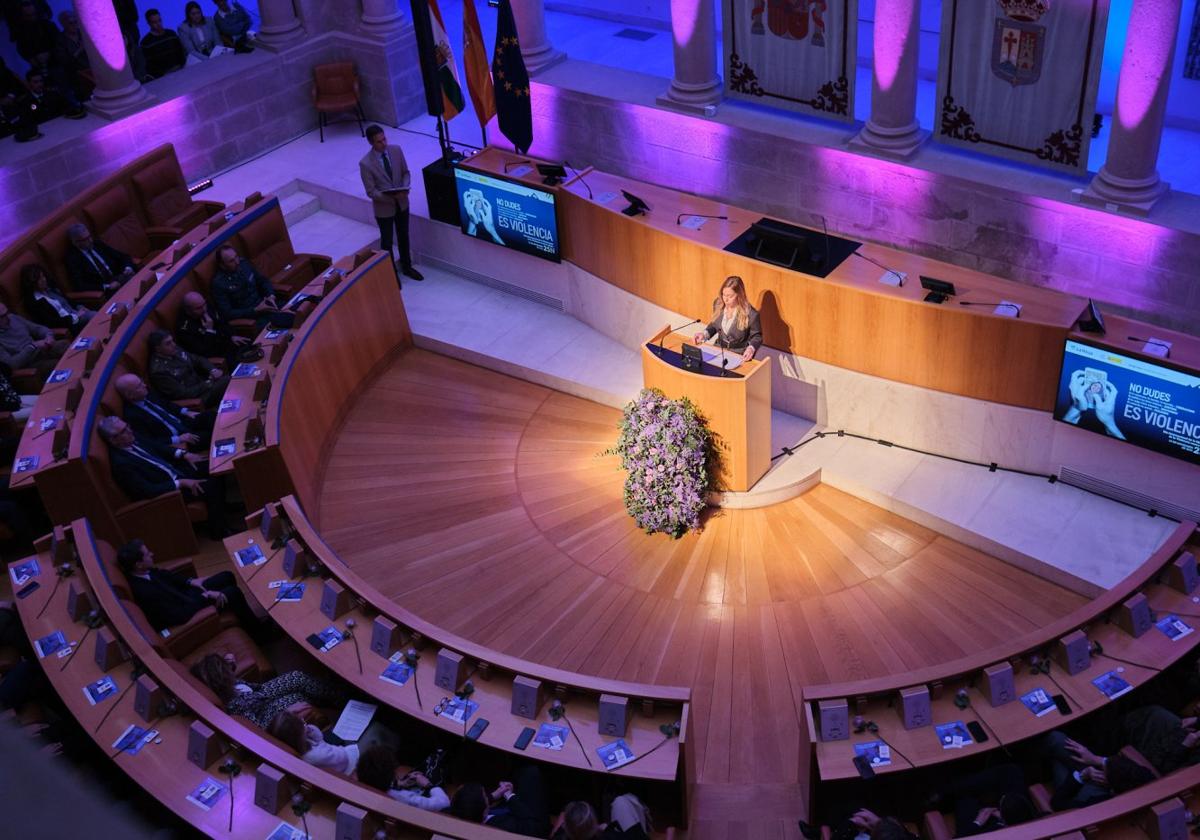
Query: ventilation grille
x=491, y=282
x=635, y=34
x=1117, y=493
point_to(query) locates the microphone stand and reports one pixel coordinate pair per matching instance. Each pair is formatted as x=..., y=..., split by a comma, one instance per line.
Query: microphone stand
x=724, y=358
x=672, y=332
x=580, y=177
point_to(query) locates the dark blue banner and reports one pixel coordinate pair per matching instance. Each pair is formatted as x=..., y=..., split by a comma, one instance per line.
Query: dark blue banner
x=507, y=213
x=1144, y=403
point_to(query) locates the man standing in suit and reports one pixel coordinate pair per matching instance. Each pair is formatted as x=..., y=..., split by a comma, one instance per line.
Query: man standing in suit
x=159, y=420
x=92, y=265
x=169, y=599
x=144, y=469
x=386, y=179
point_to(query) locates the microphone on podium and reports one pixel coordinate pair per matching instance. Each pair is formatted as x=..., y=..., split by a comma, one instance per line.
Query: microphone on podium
x=679, y=218
x=579, y=176
x=677, y=329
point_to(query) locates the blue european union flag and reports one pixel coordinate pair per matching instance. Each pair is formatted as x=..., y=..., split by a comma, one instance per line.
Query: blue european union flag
x=511, y=82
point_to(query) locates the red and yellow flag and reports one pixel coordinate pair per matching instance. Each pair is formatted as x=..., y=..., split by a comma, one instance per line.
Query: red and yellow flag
x=447, y=70
x=479, y=70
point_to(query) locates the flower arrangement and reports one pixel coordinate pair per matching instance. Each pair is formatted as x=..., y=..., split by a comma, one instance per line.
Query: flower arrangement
x=667, y=450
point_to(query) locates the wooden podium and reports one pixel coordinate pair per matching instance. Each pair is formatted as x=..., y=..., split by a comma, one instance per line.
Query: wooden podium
x=737, y=406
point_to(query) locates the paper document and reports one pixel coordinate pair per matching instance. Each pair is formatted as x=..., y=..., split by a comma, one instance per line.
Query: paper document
x=354, y=720
x=712, y=356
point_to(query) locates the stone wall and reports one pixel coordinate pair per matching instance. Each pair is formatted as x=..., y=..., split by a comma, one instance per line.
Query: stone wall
x=223, y=120
x=1134, y=266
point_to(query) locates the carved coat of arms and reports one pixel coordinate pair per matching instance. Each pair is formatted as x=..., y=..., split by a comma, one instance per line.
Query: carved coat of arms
x=1018, y=41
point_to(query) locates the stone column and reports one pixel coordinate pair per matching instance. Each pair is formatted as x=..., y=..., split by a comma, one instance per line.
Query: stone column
x=117, y=92
x=280, y=26
x=696, y=85
x=893, y=129
x=381, y=17
x=536, y=49
x=1129, y=178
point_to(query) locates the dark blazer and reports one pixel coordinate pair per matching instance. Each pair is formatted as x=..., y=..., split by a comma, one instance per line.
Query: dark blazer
x=194, y=338
x=236, y=293
x=735, y=339
x=45, y=314
x=141, y=479
x=147, y=426
x=166, y=598
x=85, y=277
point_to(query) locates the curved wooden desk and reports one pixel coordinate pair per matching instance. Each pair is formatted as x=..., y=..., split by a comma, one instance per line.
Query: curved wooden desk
x=1010, y=722
x=325, y=790
x=492, y=673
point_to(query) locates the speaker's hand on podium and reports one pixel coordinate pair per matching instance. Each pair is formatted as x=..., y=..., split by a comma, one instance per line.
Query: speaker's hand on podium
x=748, y=354
x=698, y=338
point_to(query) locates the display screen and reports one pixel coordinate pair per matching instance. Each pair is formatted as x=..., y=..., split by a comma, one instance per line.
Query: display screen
x=507, y=213
x=1145, y=403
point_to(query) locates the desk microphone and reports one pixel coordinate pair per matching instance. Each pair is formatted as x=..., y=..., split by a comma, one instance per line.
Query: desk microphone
x=1166, y=345
x=888, y=269
x=724, y=358
x=579, y=176
x=677, y=329
x=514, y=163
x=1016, y=309
x=699, y=216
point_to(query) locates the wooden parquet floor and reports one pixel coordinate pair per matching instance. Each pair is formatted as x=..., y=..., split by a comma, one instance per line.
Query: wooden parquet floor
x=482, y=503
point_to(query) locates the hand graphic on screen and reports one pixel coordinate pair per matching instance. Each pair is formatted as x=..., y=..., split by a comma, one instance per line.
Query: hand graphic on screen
x=484, y=208
x=1079, y=399
x=1106, y=405
x=471, y=202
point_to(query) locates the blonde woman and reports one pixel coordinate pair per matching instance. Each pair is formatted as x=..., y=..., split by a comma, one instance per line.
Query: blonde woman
x=734, y=321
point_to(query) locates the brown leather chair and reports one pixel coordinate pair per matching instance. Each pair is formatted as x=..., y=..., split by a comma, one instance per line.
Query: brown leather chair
x=335, y=91
x=165, y=200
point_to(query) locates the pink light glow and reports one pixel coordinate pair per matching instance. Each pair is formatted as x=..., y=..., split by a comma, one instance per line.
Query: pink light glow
x=99, y=23
x=685, y=15
x=1149, y=46
x=893, y=20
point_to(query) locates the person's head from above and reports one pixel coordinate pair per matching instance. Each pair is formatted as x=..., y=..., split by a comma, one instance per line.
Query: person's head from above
x=35, y=80
x=470, y=802
x=288, y=727
x=69, y=23
x=34, y=278
x=1123, y=773
x=194, y=15
x=377, y=137
x=116, y=432
x=162, y=343
x=377, y=767
x=194, y=305
x=216, y=671
x=131, y=387
x=80, y=236
x=1016, y=807
x=228, y=257
x=154, y=21
x=579, y=821
x=135, y=558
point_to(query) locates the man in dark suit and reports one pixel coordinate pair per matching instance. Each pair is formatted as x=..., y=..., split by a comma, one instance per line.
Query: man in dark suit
x=162, y=421
x=200, y=332
x=144, y=469
x=520, y=808
x=169, y=599
x=92, y=265
x=386, y=179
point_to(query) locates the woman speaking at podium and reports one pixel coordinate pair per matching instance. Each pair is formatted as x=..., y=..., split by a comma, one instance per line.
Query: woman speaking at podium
x=734, y=321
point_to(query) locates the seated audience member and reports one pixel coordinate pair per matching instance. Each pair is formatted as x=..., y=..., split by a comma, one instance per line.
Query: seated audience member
x=989, y=799
x=198, y=33
x=169, y=599
x=26, y=344
x=20, y=406
x=233, y=22
x=861, y=822
x=378, y=768
x=239, y=290
x=145, y=469
x=93, y=266
x=44, y=101
x=47, y=305
x=161, y=420
x=519, y=808
x=310, y=744
x=200, y=332
x=180, y=375
x=163, y=50
x=71, y=58
x=629, y=821
x=1082, y=778
x=34, y=35
x=1166, y=740
x=261, y=702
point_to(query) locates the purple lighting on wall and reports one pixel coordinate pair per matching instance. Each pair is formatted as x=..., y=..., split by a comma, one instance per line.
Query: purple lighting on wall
x=892, y=21
x=1149, y=47
x=99, y=23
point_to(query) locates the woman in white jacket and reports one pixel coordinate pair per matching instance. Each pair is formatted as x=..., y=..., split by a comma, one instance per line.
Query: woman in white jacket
x=198, y=33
